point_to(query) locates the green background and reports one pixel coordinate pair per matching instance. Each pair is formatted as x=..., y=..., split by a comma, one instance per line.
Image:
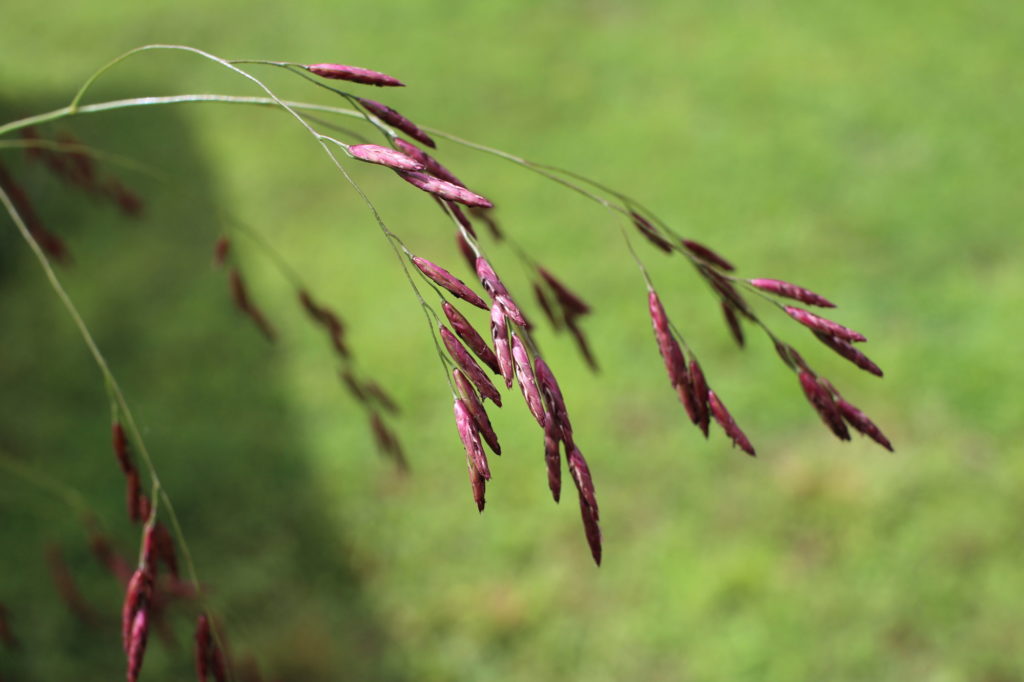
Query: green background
x=871, y=151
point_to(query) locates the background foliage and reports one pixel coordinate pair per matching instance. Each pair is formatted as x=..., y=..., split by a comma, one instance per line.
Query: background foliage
x=868, y=150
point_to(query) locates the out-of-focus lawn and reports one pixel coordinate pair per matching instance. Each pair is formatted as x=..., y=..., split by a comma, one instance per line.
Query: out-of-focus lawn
x=870, y=151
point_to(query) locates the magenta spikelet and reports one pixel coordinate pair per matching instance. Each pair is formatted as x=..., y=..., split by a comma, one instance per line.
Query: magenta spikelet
x=444, y=189
x=469, y=367
x=137, y=643
x=471, y=439
x=476, y=408
x=432, y=165
x=137, y=597
x=728, y=424
x=494, y=286
x=393, y=118
x=581, y=476
x=502, y=348
x=675, y=363
x=788, y=290
x=449, y=281
x=354, y=74
x=527, y=382
x=384, y=156
x=471, y=337
x=820, y=324
x=707, y=255
x=552, y=394
x=552, y=459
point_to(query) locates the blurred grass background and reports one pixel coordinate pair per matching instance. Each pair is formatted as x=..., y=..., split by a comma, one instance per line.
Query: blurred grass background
x=870, y=151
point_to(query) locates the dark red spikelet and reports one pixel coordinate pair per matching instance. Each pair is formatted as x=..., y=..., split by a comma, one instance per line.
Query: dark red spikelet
x=66, y=586
x=707, y=255
x=699, y=391
x=479, y=486
x=476, y=408
x=469, y=367
x=127, y=201
x=820, y=324
x=789, y=290
x=581, y=342
x=851, y=353
x=240, y=295
x=50, y=243
x=485, y=215
x=108, y=557
x=822, y=401
x=545, y=305
x=138, y=504
x=733, y=322
x=387, y=442
x=862, y=423
x=377, y=394
x=430, y=164
x=649, y=231
x=393, y=118
x=471, y=337
x=328, y=319
x=352, y=384
x=124, y=457
x=592, y=529
x=204, y=647
x=221, y=250
x=726, y=291
x=552, y=459
x=163, y=548
x=571, y=303
x=449, y=281
x=728, y=424
x=527, y=381
x=502, y=347
x=354, y=74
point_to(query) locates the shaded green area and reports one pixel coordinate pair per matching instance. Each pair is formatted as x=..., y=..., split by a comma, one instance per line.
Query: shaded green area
x=865, y=150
